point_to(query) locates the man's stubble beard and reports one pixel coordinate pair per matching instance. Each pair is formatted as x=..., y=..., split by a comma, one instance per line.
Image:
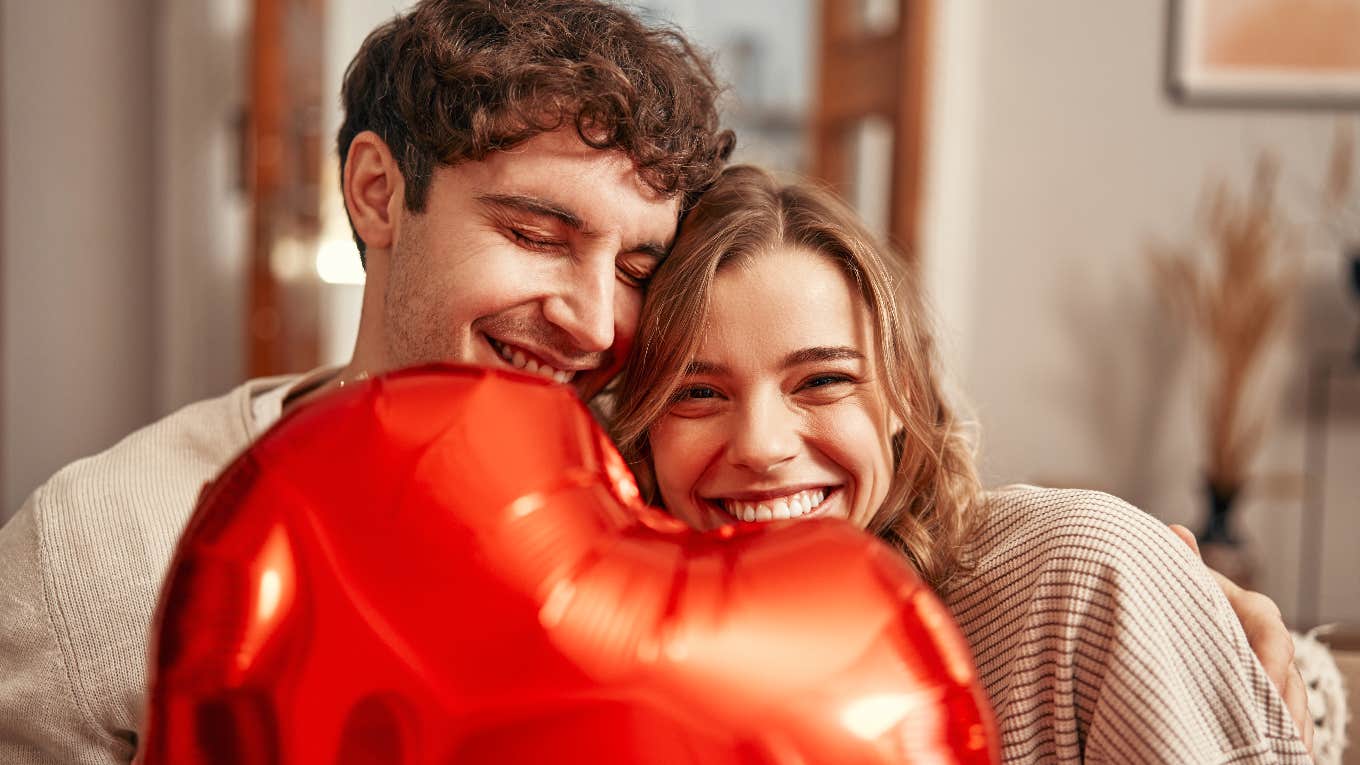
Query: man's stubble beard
x=413, y=327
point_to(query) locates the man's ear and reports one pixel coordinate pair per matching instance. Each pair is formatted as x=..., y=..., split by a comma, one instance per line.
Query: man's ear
x=372, y=183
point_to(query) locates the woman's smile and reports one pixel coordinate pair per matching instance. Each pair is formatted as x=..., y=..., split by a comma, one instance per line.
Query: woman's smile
x=776, y=504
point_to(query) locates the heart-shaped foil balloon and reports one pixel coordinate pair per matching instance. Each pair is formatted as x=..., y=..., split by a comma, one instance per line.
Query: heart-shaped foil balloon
x=452, y=565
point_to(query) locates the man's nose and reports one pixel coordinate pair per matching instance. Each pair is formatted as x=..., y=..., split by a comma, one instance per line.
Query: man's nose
x=766, y=435
x=584, y=305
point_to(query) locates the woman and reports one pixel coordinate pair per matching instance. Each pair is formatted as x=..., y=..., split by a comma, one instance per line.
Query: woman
x=783, y=369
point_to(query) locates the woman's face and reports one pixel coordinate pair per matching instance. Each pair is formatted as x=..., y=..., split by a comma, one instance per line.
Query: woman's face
x=780, y=415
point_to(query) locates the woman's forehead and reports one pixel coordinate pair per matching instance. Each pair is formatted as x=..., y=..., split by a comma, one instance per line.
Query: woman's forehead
x=784, y=299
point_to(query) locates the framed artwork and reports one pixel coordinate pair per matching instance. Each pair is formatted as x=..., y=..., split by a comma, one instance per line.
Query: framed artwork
x=1264, y=53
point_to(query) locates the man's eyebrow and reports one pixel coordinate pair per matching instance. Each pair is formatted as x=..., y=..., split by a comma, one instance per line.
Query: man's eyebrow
x=534, y=206
x=653, y=249
x=822, y=353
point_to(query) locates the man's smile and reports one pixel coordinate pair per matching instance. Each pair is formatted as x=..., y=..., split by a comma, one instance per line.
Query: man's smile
x=530, y=361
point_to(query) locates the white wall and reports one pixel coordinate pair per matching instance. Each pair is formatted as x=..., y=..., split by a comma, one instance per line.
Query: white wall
x=202, y=207
x=79, y=283
x=124, y=227
x=1055, y=154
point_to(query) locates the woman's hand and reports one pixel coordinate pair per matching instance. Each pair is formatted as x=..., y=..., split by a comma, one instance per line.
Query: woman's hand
x=1270, y=641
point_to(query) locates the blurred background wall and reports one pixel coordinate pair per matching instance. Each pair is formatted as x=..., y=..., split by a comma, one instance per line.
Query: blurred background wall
x=122, y=221
x=1052, y=153
x=1056, y=155
x=80, y=278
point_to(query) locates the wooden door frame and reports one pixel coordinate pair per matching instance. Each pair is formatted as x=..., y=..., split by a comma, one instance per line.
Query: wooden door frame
x=884, y=74
x=4, y=268
x=283, y=150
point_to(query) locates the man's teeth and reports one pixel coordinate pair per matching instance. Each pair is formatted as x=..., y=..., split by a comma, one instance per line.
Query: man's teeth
x=781, y=508
x=518, y=360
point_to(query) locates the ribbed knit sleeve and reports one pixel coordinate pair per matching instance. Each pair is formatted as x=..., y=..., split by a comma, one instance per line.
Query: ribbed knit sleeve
x=1100, y=638
x=43, y=716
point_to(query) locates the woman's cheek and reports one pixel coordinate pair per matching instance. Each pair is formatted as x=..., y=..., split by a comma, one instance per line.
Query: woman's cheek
x=852, y=435
x=676, y=446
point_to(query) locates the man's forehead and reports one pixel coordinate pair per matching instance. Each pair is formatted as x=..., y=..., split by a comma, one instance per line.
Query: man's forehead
x=600, y=188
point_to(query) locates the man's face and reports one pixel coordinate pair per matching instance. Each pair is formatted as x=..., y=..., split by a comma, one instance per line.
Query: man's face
x=533, y=258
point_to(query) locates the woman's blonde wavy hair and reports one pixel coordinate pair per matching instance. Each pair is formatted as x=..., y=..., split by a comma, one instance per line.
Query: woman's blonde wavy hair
x=935, y=500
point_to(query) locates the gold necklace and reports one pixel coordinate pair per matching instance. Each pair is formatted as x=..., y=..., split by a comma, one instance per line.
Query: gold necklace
x=355, y=378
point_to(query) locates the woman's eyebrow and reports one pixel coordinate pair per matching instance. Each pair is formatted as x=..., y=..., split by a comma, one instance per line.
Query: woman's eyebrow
x=822, y=353
x=696, y=368
x=803, y=356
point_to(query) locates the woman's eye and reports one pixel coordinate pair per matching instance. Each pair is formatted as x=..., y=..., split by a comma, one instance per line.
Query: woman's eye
x=827, y=387
x=695, y=401
x=695, y=393
x=822, y=381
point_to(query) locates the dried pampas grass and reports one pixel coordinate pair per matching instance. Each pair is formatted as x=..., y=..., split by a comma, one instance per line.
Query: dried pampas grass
x=1233, y=285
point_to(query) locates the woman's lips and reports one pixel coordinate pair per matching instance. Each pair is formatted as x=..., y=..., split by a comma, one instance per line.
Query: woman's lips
x=795, y=504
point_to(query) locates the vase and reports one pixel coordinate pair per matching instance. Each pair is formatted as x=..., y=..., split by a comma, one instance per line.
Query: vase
x=1353, y=261
x=1219, y=544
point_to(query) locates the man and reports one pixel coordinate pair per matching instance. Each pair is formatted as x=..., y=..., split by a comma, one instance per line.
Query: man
x=513, y=171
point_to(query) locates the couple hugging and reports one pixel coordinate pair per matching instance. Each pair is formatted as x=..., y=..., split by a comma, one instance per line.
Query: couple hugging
x=540, y=184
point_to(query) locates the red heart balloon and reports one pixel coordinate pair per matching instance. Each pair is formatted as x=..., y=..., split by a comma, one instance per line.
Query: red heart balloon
x=452, y=565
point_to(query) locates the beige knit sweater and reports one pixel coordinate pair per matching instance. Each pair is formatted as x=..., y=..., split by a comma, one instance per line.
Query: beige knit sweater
x=80, y=569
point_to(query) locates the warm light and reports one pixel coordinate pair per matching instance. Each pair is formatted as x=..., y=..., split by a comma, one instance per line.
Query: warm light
x=271, y=587
x=275, y=593
x=337, y=262
x=872, y=716
x=556, y=604
x=527, y=505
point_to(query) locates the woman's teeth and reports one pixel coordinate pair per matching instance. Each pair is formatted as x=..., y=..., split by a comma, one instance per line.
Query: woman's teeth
x=781, y=508
x=518, y=360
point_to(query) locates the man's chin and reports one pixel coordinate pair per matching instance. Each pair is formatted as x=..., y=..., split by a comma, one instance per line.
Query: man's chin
x=589, y=384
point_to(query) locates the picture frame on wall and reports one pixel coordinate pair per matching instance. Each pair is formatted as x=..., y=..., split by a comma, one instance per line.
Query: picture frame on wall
x=1264, y=53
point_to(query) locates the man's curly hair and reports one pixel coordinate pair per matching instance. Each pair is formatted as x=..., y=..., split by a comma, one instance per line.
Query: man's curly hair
x=455, y=80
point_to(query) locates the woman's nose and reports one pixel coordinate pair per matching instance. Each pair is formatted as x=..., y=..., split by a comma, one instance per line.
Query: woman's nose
x=764, y=436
